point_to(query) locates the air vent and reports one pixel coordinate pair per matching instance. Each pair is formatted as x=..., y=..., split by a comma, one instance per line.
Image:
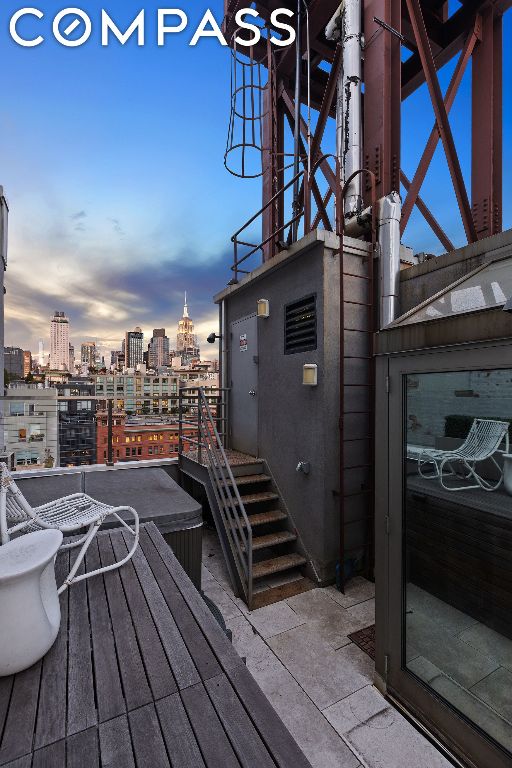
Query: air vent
x=300, y=326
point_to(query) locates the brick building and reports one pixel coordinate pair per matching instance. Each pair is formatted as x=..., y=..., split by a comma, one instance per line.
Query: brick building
x=134, y=440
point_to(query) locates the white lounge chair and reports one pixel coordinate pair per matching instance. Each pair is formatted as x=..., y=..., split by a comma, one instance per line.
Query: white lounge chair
x=484, y=440
x=69, y=514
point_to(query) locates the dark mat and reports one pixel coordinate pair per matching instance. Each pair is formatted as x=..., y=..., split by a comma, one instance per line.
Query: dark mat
x=365, y=640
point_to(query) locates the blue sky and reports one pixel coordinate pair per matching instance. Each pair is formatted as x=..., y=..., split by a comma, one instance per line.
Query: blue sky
x=112, y=160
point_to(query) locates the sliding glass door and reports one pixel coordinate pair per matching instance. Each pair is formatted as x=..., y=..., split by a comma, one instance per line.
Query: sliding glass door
x=450, y=546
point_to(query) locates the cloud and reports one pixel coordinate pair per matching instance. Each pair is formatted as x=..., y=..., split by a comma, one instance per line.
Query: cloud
x=116, y=224
x=78, y=215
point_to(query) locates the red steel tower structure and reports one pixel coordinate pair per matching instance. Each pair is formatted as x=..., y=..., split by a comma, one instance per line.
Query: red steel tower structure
x=433, y=36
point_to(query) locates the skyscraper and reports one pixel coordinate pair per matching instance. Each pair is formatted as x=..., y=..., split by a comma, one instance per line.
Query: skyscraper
x=186, y=342
x=134, y=354
x=88, y=354
x=158, y=349
x=41, y=353
x=59, y=342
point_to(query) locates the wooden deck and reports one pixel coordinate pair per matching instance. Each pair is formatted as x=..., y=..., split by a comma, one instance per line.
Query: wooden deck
x=140, y=675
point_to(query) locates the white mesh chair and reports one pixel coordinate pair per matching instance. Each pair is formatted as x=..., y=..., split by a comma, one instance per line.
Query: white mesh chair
x=69, y=514
x=484, y=440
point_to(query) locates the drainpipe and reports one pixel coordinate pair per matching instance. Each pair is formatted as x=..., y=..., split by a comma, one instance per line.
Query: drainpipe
x=389, y=215
x=345, y=25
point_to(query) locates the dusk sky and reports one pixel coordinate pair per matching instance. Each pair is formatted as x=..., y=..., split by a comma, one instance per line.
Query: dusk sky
x=112, y=162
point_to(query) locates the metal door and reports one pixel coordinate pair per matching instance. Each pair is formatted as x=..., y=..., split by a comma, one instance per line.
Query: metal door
x=435, y=697
x=244, y=385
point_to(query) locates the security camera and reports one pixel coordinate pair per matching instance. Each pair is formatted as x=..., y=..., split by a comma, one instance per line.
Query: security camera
x=212, y=338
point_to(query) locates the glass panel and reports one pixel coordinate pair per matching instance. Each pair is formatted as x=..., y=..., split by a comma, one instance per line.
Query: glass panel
x=457, y=623
x=488, y=287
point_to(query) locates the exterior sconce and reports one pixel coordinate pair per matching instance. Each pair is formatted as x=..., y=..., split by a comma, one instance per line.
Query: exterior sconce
x=263, y=308
x=310, y=375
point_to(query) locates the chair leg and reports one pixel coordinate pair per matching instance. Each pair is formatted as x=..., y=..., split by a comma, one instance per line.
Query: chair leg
x=72, y=578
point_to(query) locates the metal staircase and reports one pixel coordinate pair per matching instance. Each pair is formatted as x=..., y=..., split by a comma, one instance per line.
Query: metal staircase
x=257, y=536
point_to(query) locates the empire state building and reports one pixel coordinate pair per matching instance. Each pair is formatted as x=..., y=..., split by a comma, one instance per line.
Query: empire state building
x=186, y=341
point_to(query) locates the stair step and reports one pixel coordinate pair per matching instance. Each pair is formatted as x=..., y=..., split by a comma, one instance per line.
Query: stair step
x=277, y=564
x=281, y=592
x=262, y=518
x=255, y=498
x=250, y=479
x=273, y=539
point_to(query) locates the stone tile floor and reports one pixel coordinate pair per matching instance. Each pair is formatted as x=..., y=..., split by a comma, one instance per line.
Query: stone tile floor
x=319, y=682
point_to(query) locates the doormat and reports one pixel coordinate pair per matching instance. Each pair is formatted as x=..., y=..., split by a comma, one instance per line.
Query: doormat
x=365, y=640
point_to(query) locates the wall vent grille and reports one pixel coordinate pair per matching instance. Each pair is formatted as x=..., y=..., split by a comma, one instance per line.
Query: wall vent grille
x=300, y=326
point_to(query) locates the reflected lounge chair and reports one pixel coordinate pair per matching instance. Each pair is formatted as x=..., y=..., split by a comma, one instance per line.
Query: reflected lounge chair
x=69, y=514
x=482, y=442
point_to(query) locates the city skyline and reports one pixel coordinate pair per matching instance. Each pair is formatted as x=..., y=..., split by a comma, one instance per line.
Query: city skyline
x=104, y=351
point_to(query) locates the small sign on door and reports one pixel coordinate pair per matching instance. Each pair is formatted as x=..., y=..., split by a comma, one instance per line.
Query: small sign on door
x=243, y=342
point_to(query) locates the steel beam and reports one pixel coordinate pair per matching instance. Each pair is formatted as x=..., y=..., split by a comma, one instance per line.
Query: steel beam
x=382, y=95
x=436, y=97
x=486, y=157
x=428, y=153
x=429, y=217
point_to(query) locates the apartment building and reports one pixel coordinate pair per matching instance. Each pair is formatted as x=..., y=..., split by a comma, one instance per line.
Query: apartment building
x=138, y=439
x=31, y=426
x=139, y=393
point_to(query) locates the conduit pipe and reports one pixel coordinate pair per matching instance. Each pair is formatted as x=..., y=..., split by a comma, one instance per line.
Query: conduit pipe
x=345, y=25
x=389, y=214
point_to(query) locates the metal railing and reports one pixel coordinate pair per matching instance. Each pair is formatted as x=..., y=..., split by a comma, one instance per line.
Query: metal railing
x=308, y=188
x=86, y=429
x=196, y=409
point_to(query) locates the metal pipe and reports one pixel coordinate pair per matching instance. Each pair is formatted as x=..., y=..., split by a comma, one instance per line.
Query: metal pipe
x=389, y=214
x=4, y=214
x=296, y=132
x=224, y=395
x=345, y=25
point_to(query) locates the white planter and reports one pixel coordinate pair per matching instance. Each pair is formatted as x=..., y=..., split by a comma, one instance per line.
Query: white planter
x=507, y=472
x=29, y=604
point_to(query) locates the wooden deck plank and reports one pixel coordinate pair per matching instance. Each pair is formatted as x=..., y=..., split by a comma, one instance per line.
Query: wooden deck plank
x=133, y=675
x=148, y=743
x=204, y=659
x=109, y=692
x=178, y=734
x=17, y=741
x=82, y=712
x=21, y=762
x=272, y=730
x=158, y=671
x=182, y=664
x=82, y=750
x=215, y=746
x=244, y=738
x=115, y=744
x=52, y=756
x=141, y=622
x=217, y=639
x=52, y=708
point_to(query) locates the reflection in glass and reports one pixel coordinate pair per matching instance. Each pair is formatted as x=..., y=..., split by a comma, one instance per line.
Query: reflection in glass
x=458, y=542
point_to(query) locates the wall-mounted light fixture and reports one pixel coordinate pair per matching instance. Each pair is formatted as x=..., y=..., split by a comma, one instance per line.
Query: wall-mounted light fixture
x=263, y=308
x=310, y=375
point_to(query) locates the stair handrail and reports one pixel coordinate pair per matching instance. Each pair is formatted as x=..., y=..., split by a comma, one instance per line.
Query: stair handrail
x=227, y=494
